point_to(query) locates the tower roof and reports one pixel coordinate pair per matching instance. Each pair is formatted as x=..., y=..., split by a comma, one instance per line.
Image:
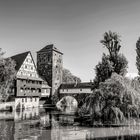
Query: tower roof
x=19, y=59
x=50, y=47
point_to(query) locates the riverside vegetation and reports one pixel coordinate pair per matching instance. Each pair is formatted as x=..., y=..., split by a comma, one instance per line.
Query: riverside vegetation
x=115, y=98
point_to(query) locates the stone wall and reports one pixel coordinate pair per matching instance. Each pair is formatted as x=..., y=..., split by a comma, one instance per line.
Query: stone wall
x=49, y=66
x=44, y=65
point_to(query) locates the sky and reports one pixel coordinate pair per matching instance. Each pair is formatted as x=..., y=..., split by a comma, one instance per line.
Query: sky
x=75, y=27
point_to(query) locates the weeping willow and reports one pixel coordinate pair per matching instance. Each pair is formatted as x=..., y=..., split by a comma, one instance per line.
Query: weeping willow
x=114, y=102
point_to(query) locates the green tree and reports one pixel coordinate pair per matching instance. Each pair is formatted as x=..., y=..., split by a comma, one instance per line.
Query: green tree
x=68, y=77
x=114, y=101
x=7, y=75
x=138, y=55
x=112, y=62
x=111, y=41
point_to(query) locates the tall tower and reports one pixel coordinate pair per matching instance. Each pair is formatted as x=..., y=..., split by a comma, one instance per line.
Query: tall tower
x=50, y=65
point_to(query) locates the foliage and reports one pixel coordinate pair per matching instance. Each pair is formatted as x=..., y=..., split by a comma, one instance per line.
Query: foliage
x=103, y=70
x=112, y=62
x=92, y=106
x=54, y=99
x=138, y=55
x=111, y=41
x=114, y=101
x=68, y=77
x=135, y=83
x=7, y=75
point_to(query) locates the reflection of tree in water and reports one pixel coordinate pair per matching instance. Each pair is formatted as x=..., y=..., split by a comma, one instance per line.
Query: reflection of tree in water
x=135, y=137
x=7, y=130
x=114, y=133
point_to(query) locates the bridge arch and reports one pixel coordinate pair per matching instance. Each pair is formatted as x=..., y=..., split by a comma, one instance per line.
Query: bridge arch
x=67, y=104
x=80, y=98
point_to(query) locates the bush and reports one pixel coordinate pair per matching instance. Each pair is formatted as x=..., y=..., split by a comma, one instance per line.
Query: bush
x=114, y=101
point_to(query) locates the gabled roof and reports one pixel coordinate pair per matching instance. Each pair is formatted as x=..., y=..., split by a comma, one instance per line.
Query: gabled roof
x=19, y=59
x=49, y=47
x=78, y=85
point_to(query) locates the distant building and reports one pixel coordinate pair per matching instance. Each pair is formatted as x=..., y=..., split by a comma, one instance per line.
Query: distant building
x=76, y=88
x=28, y=86
x=50, y=66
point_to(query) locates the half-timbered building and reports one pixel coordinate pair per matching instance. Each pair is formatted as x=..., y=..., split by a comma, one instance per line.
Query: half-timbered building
x=28, y=86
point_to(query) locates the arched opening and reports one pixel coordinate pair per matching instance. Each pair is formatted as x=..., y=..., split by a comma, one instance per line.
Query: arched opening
x=67, y=104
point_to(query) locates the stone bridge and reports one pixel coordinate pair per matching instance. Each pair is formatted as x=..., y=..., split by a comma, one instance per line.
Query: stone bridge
x=80, y=98
x=77, y=90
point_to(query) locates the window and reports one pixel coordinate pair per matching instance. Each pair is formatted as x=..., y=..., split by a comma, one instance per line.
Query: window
x=38, y=90
x=22, y=99
x=31, y=68
x=28, y=90
x=80, y=89
x=25, y=66
x=25, y=99
x=35, y=99
x=21, y=89
x=31, y=99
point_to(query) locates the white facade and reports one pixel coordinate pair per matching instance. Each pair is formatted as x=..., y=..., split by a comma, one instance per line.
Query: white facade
x=45, y=92
x=28, y=68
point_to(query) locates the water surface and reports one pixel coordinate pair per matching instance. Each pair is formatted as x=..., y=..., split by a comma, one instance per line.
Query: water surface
x=42, y=124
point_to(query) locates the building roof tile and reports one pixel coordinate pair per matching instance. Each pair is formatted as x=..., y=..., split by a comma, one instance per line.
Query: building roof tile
x=19, y=59
x=50, y=47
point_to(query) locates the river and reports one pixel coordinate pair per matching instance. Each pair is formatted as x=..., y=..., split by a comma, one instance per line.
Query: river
x=42, y=124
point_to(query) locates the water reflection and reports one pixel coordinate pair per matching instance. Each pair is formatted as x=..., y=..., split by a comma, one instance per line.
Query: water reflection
x=30, y=113
x=41, y=124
